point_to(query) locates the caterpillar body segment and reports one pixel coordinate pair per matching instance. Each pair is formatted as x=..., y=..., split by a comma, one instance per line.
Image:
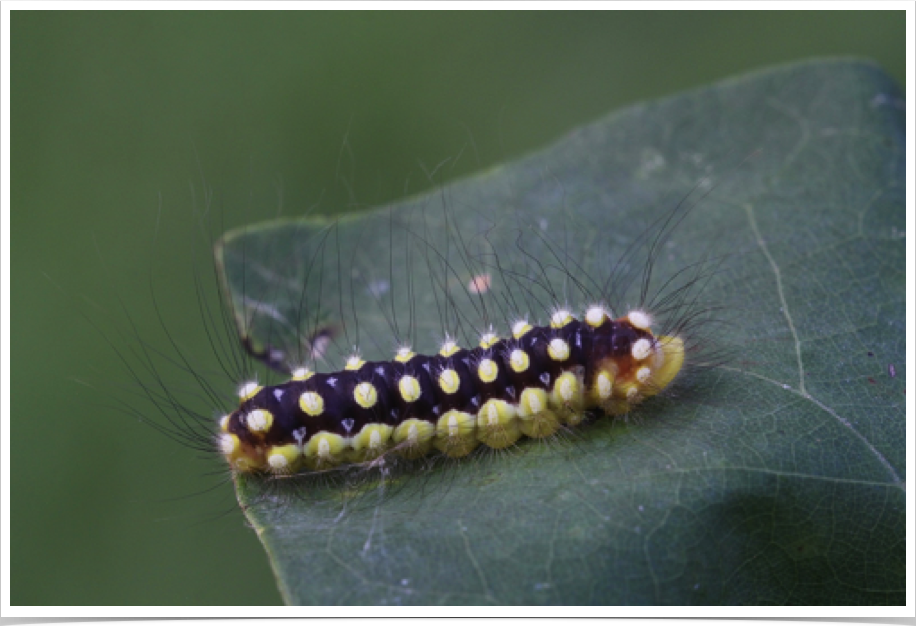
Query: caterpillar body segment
x=530, y=384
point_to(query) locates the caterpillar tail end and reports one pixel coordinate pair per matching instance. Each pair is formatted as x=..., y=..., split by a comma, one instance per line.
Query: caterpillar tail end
x=656, y=364
x=670, y=357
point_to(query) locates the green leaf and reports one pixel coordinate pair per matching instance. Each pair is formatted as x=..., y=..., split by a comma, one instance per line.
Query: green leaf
x=777, y=477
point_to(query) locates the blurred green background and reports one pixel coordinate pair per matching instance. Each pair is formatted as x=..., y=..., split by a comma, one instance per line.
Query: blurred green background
x=120, y=121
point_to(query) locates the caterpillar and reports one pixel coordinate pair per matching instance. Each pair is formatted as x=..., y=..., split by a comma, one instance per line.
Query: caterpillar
x=414, y=291
x=493, y=394
x=531, y=382
x=437, y=328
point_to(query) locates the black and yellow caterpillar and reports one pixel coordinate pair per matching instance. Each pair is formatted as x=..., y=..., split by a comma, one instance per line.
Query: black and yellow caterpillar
x=539, y=379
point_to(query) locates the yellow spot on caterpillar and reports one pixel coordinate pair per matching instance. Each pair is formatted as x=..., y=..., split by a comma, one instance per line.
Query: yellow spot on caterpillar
x=372, y=436
x=601, y=393
x=535, y=418
x=324, y=450
x=558, y=349
x=456, y=433
x=449, y=381
x=560, y=318
x=497, y=424
x=533, y=400
x=224, y=423
x=409, y=388
x=259, y=420
x=488, y=339
x=643, y=374
x=302, y=373
x=520, y=329
x=567, y=398
x=640, y=319
x=604, y=385
x=641, y=349
x=354, y=362
x=519, y=361
x=449, y=347
x=365, y=395
x=404, y=354
x=228, y=444
x=311, y=403
x=565, y=388
x=487, y=371
x=595, y=316
x=371, y=442
x=284, y=459
x=413, y=438
x=248, y=390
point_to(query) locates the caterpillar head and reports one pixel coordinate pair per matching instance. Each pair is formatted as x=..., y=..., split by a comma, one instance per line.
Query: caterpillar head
x=250, y=439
